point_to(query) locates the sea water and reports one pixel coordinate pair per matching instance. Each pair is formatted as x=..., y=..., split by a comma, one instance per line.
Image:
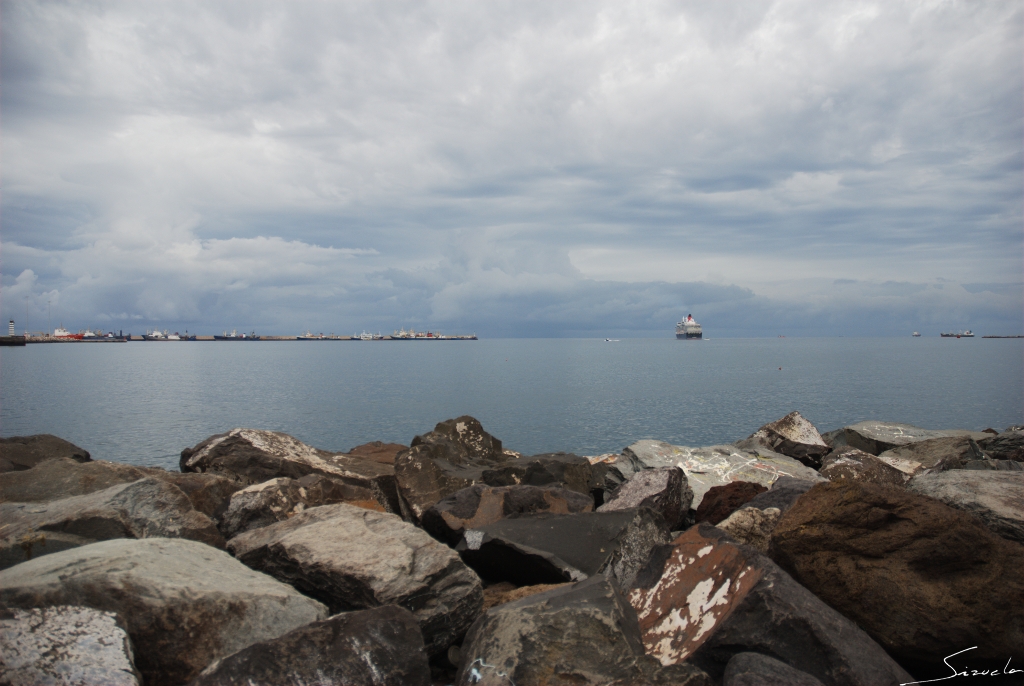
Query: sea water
x=143, y=402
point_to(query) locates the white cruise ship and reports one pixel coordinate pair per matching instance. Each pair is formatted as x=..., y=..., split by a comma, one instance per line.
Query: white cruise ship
x=688, y=329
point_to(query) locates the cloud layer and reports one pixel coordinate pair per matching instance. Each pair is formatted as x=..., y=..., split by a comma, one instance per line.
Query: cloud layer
x=514, y=169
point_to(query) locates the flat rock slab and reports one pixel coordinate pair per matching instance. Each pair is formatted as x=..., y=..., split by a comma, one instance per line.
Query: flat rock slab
x=721, y=501
x=877, y=437
x=850, y=463
x=755, y=669
x=18, y=453
x=546, y=548
x=932, y=455
x=751, y=526
x=720, y=464
x=378, y=451
x=583, y=633
x=184, y=604
x=794, y=436
x=65, y=646
x=480, y=505
x=704, y=599
x=378, y=647
x=924, y=579
x=252, y=456
x=1008, y=445
x=142, y=509
x=996, y=497
x=351, y=558
x=663, y=490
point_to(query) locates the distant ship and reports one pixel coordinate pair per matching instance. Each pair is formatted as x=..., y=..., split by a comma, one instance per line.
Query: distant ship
x=916, y=335
x=235, y=336
x=958, y=334
x=688, y=329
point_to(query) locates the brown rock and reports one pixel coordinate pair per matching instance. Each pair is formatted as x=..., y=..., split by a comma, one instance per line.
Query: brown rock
x=377, y=451
x=1008, y=445
x=849, y=463
x=721, y=501
x=996, y=497
x=504, y=592
x=925, y=580
x=24, y=452
x=751, y=526
x=569, y=471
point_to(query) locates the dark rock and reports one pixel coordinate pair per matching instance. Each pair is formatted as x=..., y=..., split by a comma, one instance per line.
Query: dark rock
x=932, y=455
x=451, y=457
x=1005, y=446
x=850, y=463
x=351, y=558
x=997, y=498
x=704, y=599
x=997, y=465
x=614, y=470
x=24, y=452
x=505, y=592
x=65, y=645
x=252, y=456
x=877, y=437
x=209, y=493
x=585, y=633
x=718, y=465
x=379, y=646
x=755, y=669
x=782, y=494
x=925, y=580
x=721, y=501
x=663, y=490
x=546, y=548
x=751, y=526
x=553, y=469
x=793, y=436
x=480, y=505
x=185, y=604
x=142, y=509
x=378, y=451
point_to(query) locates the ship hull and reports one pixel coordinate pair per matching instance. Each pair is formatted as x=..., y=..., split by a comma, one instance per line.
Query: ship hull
x=689, y=336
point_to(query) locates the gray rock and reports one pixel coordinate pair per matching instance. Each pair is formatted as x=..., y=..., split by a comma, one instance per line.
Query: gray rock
x=720, y=464
x=997, y=465
x=552, y=469
x=24, y=452
x=65, y=646
x=755, y=669
x=382, y=647
x=142, y=509
x=663, y=490
x=877, y=437
x=997, y=497
x=704, y=599
x=614, y=470
x=1008, y=445
x=252, y=456
x=850, y=463
x=783, y=493
x=752, y=526
x=547, y=549
x=793, y=436
x=185, y=604
x=585, y=633
x=932, y=455
x=352, y=558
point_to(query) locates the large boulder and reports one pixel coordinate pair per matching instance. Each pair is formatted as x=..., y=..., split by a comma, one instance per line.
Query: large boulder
x=704, y=599
x=551, y=469
x=185, y=604
x=877, y=437
x=793, y=436
x=1008, y=445
x=585, y=633
x=252, y=456
x=718, y=465
x=24, y=452
x=755, y=669
x=351, y=558
x=278, y=499
x=380, y=647
x=146, y=508
x=850, y=463
x=63, y=645
x=924, y=579
x=479, y=505
x=782, y=494
x=613, y=470
x=663, y=490
x=451, y=457
x=996, y=497
x=752, y=526
x=721, y=501
x=932, y=455
x=547, y=548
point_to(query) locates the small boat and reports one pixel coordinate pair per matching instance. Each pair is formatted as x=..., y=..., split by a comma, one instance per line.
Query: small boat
x=916, y=335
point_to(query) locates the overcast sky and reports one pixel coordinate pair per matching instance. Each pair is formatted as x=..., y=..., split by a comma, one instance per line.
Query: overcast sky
x=514, y=168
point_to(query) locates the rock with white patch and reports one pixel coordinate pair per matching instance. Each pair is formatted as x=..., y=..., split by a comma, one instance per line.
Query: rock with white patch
x=720, y=464
x=379, y=647
x=663, y=490
x=876, y=437
x=996, y=497
x=794, y=436
x=856, y=465
x=65, y=646
x=752, y=526
x=704, y=598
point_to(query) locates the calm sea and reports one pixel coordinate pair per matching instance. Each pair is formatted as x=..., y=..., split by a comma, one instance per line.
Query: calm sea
x=142, y=402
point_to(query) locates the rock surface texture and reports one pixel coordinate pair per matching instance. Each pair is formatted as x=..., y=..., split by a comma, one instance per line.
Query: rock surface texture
x=65, y=646
x=184, y=604
x=876, y=437
x=925, y=580
x=996, y=497
x=351, y=558
x=783, y=493
x=663, y=490
x=850, y=463
x=480, y=505
x=705, y=599
x=932, y=455
x=252, y=456
x=721, y=501
x=553, y=469
x=755, y=669
x=378, y=647
x=585, y=633
x=793, y=436
x=718, y=465
x=752, y=526
x=378, y=451
x=1008, y=445
x=24, y=452
x=142, y=509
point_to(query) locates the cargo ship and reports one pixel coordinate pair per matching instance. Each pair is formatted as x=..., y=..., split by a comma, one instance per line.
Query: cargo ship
x=688, y=329
x=958, y=334
x=235, y=336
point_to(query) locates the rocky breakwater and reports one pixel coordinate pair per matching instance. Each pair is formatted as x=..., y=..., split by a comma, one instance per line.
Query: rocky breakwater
x=866, y=555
